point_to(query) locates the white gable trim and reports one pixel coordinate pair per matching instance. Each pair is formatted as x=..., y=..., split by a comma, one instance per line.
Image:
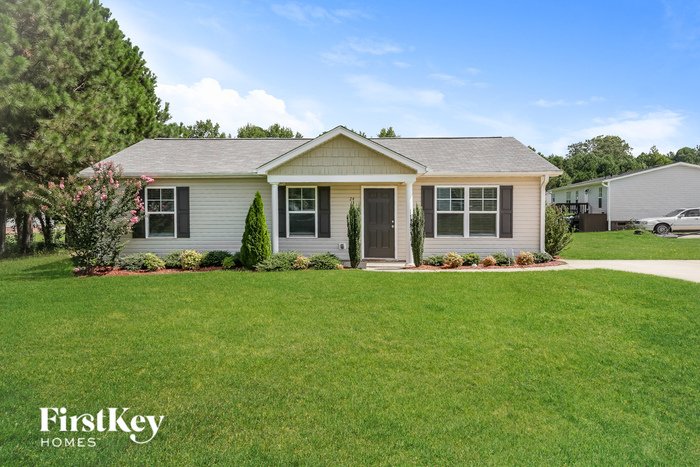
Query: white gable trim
x=372, y=178
x=339, y=130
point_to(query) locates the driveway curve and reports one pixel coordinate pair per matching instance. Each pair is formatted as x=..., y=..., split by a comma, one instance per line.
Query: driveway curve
x=688, y=270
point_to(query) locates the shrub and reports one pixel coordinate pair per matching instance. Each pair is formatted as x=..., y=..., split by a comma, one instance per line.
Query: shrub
x=228, y=263
x=488, y=261
x=557, y=234
x=302, y=262
x=470, y=259
x=214, y=258
x=237, y=259
x=417, y=234
x=525, y=259
x=255, y=245
x=324, y=261
x=191, y=260
x=152, y=262
x=434, y=260
x=453, y=260
x=173, y=260
x=542, y=258
x=502, y=259
x=282, y=261
x=132, y=262
x=354, y=234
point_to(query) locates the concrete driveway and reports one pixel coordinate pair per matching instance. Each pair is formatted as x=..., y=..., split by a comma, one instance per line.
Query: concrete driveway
x=688, y=270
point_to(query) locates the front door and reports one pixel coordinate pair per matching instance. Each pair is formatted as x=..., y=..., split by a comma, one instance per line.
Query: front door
x=379, y=223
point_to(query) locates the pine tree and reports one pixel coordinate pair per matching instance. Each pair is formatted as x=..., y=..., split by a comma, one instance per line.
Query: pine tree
x=255, y=245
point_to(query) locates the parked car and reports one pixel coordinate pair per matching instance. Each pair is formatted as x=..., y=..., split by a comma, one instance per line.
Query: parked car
x=678, y=219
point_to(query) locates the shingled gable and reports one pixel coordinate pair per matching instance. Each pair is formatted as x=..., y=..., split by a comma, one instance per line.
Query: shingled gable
x=416, y=167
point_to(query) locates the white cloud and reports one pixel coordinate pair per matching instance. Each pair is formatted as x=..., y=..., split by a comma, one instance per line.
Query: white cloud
x=449, y=79
x=562, y=102
x=473, y=71
x=402, y=64
x=378, y=92
x=309, y=15
x=207, y=100
x=349, y=51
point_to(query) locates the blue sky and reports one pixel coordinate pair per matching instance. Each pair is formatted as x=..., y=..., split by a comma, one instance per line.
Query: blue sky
x=547, y=73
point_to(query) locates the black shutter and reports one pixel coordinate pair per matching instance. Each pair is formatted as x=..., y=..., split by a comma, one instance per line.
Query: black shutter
x=139, y=229
x=506, y=211
x=324, y=212
x=183, y=212
x=427, y=200
x=282, y=210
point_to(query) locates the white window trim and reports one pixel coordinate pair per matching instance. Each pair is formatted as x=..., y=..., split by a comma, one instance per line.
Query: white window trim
x=568, y=196
x=466, y=211
x=148, y=214
x=600, y=197
x=286, y=209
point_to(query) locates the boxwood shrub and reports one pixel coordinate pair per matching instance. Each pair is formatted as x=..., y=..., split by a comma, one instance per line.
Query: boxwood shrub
x=542, y=258
x=132, y=262
x=214, y=258
x=502, y=259
x=436, y=260
x=282, y=261
x=324, y=261
x=470, y=259
x=173, y=260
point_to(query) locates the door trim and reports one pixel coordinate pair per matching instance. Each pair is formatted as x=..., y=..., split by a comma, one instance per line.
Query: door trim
x=396, y=218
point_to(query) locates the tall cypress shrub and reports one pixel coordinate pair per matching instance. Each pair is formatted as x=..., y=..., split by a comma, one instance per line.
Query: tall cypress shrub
x=255, y=246
x=417, y=234
x=354, y=234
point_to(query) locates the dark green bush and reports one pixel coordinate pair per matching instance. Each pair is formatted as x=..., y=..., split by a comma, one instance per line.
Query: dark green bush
x=471, y=259
x=237, y=259
x=324, y=261
x=282, y=261
x=132, y=262
x=434, y=260
x=229, y=263
x=255, y=245
x=214, y=258
x=542, y=258
x=173, y=259
x=502, y=259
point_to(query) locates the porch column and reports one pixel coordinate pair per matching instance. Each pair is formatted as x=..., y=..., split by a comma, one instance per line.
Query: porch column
x=275, y=218
x=409, y=212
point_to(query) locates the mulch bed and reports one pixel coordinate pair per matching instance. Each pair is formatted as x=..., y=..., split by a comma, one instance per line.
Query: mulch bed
x=515, y=266
x=124, y=272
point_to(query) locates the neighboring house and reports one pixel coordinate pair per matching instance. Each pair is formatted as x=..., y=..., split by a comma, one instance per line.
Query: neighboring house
x=643, y=193
x=479, y=194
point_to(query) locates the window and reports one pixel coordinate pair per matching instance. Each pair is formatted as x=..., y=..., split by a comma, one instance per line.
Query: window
x=554, y=198
x=600, y=197
x=483, y=209
x=577, y=196
x=301, y=208
x=691, y=213
x=568, y=196
x=160, y=212
x=450, y=212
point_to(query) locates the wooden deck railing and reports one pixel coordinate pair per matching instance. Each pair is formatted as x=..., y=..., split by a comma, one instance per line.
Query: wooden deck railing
x=575, y=208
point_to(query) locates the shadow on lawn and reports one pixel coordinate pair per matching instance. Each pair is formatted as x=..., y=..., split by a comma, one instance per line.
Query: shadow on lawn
x=50, y=269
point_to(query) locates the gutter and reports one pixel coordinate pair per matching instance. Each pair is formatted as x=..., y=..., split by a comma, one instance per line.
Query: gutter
x=543, y=184
x=606, y=184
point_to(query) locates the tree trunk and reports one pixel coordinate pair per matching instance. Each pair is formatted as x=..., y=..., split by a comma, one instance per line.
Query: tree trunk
x=47, y=230
x=26, y=234
x=3, y=224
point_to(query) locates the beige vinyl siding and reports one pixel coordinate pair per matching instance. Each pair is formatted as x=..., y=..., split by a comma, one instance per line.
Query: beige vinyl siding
x=218, y=208
x=527, y=203
x=654, y=193
x=341, y=156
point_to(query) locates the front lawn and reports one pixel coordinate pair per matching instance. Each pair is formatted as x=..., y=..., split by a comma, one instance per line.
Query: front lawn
x=353, y=367
x=624, y=244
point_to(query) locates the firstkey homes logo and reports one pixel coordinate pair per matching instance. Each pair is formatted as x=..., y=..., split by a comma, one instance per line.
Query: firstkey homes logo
x=142, y=428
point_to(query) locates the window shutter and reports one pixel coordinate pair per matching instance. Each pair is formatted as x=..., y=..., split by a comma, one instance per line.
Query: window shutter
x=282, y=210
x=427, y=200
x=139, y=229
x=324, y=211
x=506, y=211
x=183, y=212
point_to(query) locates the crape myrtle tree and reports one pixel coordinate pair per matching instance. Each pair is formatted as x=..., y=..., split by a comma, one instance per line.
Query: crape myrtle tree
x=255, y=245
x=71, y=86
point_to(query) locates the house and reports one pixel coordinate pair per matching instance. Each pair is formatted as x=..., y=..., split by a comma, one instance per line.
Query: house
x=479, y=194
x=634, y=195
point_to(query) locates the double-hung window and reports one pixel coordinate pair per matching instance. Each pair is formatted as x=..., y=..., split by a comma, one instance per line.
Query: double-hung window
x=160, y=212
x=301, y=208
x=554, y=198
x=568, y=196
x=600, y=197
x=450, y=212
x=483, y=211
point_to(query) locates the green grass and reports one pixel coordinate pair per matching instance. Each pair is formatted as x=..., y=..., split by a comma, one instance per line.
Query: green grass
x=624, y=244
x=354, y=367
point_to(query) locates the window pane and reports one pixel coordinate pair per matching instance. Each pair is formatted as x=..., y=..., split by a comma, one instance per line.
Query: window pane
x=308, y=204
x=167, y=206
x=443, y=193
x=294, y=193
x=490, y=193
x=167, y=193
x=450, y=224
x=154, y=206
x=302, y=224
x=476, y=205
x=161, y=225
x=476, y=193
x=457, y=193
x=154, y=193
x=308, y=193
x=490, y=205
x=443, y=205
x=295, y=205
x=482, y=225
x=458, y=205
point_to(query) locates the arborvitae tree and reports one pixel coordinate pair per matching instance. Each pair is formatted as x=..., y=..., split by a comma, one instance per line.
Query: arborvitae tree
x=255, y=246
x=417, y=234
x=274, y=131
x=354, y=219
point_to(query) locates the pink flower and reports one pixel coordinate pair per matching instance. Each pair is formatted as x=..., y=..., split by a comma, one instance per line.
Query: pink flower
x=116, y=185
x=61, y=186
x=44, y=208
x=104, y=196
x=76, y=270
x=64, y=215
x=133, y=212
x=111, y=180
x=63, y=207
x=134, y=220
x=128, y=228
x=89, y=188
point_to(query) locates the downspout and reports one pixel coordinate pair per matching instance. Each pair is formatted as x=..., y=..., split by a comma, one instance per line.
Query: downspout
x=606, y=184
x=543, y=184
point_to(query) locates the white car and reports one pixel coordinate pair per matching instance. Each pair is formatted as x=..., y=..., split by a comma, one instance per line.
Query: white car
x=679, y=219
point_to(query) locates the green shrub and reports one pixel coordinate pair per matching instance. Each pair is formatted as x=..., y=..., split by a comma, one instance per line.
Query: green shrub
x=302, y=262
x=557, y=234
x=542, y=258
x=173, y=260
x=434, y=260
x=502, y=259
x=255, y=245
x=228, y=263
x=417, y=234
x=282, y=261
x=354, y=234
x=488, y=261
x=132, y=262
x=237, y=259
x=470, y=259
x=214, y=258
x=324, y=261
x=191, y=260
x=525, y=259
x=152, y=262
x=453, y=260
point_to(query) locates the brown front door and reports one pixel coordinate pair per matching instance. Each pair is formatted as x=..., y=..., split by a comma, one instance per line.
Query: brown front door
x=379, y=223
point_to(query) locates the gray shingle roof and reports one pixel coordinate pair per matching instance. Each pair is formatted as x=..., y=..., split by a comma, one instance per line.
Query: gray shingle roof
x=201, y=157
